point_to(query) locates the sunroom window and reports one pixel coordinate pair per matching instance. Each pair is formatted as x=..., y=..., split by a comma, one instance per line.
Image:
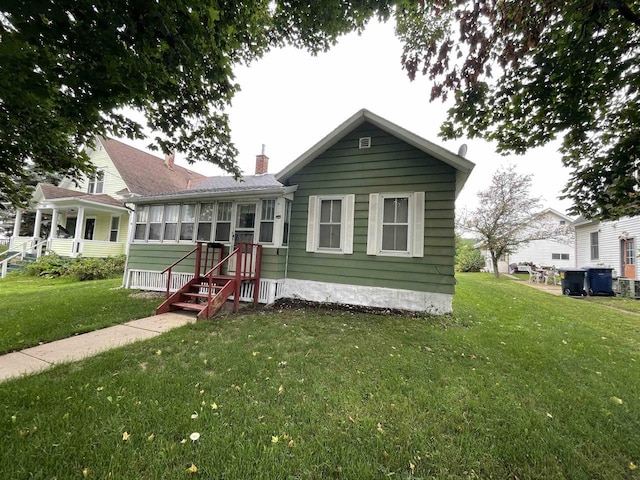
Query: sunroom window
x=155, y=222
x=223, y=222
x=205, y=222
x=171, y=222
x=142, y=217
x=187, y=219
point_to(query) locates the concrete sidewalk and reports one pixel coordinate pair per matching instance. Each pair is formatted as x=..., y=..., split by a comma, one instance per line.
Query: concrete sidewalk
x=78, y=347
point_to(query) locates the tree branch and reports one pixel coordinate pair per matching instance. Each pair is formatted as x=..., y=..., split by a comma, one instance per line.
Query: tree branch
x=625, y=11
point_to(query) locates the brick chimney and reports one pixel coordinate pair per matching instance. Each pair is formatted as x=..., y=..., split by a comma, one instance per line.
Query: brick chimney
x=169, y=160
x=262, y=163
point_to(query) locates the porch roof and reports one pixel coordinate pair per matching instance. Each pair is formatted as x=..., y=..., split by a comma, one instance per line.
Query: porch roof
x=51, y=197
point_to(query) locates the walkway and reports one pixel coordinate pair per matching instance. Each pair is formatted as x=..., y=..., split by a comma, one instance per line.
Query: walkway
x=43, y=356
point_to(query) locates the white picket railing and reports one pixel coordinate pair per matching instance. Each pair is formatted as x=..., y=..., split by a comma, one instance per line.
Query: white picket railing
x=155, y=281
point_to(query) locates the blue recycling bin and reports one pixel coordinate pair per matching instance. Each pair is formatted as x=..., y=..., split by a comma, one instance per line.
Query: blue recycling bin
x=600, y=281
x=573, y=281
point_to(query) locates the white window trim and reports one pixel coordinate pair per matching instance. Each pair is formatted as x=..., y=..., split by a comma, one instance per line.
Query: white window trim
x=415, y=234
x=346, y=224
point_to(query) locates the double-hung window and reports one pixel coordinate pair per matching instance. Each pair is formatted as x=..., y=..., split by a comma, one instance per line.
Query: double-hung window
x=205, y=222
x=142, y=217
x=223, y=222
x=155, y=222
x=595, y=249
x=171, y=222
x=267, y=218
x=115, y=228
x=96, y=182
x=187, y=219
x=396, y=224
x=330, y=224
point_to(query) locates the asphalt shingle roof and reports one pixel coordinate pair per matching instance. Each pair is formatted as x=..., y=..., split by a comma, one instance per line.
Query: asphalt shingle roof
x=229, y=184
x=146, y=174
x=51, y=192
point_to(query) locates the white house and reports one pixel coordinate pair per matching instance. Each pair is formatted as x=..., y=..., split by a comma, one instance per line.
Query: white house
x=608, y=244
x=558, y=252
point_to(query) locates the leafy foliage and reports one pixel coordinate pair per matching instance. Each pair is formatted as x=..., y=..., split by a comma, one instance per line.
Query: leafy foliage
x=508, y=216
x=525, y=72
x=53, y=265
x=67, y=68
x=468, y=259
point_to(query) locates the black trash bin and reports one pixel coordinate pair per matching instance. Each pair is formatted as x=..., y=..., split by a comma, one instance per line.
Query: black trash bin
x=573, y=281
x=600, y=281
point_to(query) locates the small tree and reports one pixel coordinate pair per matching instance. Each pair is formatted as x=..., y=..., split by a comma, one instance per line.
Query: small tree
x=506, y=217
x=468, y=259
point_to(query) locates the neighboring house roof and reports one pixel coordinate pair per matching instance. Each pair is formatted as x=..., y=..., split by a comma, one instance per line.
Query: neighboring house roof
x=557, y=213
x=146, y=174
x=462, y=165
x=583, y=221
x=49, y=192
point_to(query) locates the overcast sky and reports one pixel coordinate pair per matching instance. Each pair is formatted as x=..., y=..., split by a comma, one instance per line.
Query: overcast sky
x=290, y=100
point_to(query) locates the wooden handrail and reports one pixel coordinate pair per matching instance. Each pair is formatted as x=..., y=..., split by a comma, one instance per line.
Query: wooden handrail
x=181, y=259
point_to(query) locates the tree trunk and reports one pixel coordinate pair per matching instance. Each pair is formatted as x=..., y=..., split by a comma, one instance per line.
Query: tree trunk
x=494, y=261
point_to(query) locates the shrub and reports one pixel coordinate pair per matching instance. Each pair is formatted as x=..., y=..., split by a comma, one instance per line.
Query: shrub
x=96, y=268
x=468, y=259
x=79, y=268
x=51, y=265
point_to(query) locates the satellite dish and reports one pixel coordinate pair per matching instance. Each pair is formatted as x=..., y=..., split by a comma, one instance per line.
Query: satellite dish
x=462, y=151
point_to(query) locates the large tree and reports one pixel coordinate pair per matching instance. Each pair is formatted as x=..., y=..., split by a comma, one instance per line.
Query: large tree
x=508, y=216
x=68, y=67
x=524, y=72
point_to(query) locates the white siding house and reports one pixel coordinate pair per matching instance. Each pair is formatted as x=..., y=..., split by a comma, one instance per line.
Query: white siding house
x=558, y=252
x=612, y=244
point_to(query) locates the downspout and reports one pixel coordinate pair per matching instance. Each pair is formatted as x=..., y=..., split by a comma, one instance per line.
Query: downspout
x=130, y=233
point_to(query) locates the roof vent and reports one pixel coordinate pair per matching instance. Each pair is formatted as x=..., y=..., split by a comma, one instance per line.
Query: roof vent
x=364, y=142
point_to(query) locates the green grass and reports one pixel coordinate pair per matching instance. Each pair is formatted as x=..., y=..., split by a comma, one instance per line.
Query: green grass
x=621, y=303
x=38, y=310
x=520, y=384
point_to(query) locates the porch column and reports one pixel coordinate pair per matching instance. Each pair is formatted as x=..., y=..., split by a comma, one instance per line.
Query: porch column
x=54, y=224
x=16, y=228
x=36, y=227
x=77, y=237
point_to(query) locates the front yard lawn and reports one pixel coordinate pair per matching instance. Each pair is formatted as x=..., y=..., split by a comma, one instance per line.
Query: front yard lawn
x=520, y=384
x=35, y=310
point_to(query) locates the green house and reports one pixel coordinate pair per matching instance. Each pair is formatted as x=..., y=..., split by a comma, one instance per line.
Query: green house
x=364, y=217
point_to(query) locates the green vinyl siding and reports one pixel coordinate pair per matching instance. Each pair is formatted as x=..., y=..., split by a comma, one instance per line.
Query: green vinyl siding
x=157, y=257
x=389, y=165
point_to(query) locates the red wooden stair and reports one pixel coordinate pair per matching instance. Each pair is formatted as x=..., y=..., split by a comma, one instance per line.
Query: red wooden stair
x=206, y=293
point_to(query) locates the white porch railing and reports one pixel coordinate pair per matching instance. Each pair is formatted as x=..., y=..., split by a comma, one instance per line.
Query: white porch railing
x=270, y=289
x=26, y=247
